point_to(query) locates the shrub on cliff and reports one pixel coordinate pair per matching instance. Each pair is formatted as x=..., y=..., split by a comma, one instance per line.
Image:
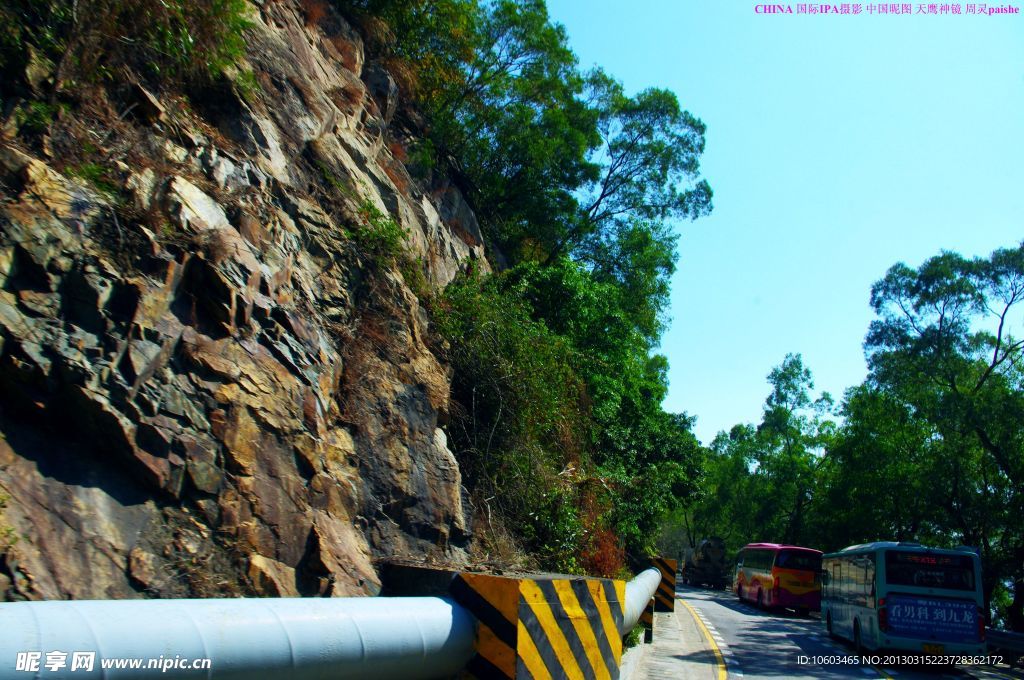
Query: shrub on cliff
x=74, y=41
x=578, y=184
x=519, y=424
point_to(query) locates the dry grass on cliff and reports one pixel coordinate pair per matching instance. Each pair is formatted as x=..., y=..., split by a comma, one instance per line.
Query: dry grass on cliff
x=494, y=547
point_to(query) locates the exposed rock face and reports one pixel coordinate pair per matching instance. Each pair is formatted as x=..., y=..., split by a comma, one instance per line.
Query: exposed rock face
x=242, y=404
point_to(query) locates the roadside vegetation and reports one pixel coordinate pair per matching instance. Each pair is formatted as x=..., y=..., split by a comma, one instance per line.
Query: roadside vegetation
x=578, y=186
x=929, y=448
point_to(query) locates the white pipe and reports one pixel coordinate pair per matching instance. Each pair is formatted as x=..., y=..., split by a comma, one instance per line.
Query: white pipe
x=295, y=638
x=639, y=592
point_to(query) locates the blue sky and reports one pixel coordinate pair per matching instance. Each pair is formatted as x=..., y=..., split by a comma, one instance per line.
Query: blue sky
x=836, y=147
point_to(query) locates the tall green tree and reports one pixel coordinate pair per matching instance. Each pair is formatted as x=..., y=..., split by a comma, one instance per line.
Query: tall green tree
x=578, y=185
x=878, y=479
x=794, y=432
x=761, y=481
x=648, y=157
x=943, y=345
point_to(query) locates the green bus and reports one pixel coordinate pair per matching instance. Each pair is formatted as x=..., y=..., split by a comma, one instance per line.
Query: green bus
x=904, y=596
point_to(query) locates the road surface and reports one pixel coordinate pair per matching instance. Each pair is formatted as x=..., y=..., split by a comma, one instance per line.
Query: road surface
x=757, y=645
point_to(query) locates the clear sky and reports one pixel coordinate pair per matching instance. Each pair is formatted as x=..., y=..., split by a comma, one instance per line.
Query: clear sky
x=836, y=147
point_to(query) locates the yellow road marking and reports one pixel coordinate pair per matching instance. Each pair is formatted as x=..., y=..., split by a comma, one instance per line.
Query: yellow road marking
x=722, y=673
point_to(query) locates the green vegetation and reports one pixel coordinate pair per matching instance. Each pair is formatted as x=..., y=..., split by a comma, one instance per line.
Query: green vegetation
x=633, y=637
x=377, y=234
x=929, y=448
x=90, y=40
x=558, y=421
x=518, y=421
x=97, y=175
x=35, y=116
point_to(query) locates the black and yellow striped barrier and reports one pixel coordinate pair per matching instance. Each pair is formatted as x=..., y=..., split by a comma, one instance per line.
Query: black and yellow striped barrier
x=665, y=596
x=543, y=627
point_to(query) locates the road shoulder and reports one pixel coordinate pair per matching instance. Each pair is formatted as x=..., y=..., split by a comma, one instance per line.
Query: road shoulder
x=680, y=649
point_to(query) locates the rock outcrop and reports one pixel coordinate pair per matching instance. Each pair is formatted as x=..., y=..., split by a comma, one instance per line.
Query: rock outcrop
x=226, y=396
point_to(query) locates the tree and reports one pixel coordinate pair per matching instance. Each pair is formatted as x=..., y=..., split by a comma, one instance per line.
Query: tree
x=794, y=432
x=647, y=456
x=761, y=482
x=879, y=478
x=576, y=184
x=649, y=165
x=942, y=345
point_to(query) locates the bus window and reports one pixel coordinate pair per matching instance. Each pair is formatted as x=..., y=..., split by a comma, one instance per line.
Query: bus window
x=798, y=559
x=953, y=572
x=869, y=574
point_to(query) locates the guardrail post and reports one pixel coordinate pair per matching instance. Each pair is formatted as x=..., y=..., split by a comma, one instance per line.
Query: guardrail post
x=665, y=596
x=647, y=621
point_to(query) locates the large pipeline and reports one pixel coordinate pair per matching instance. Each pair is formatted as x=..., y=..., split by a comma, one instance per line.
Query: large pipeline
x=639, y=592
x=295, y=638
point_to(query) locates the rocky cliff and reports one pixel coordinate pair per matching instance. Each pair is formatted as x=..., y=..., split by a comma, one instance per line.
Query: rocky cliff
x=224, y=393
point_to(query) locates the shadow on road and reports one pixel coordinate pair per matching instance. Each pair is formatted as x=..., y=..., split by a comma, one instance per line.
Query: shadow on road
x=772, y=642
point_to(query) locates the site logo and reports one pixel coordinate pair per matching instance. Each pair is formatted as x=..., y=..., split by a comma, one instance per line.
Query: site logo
x=891, y=8
x=809, y=9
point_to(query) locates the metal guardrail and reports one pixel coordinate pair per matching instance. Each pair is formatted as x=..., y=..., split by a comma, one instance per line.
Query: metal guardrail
x=297, y=638
x=1005, y=641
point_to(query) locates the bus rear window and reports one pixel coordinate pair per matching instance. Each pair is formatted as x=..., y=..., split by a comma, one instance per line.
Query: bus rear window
x=925, y=570
x=798, y=559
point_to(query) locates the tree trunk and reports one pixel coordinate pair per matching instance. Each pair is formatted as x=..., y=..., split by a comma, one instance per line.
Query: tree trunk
x=1015, y=612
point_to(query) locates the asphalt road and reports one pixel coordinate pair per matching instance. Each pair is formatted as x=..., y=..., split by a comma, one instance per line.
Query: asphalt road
x=759, y=645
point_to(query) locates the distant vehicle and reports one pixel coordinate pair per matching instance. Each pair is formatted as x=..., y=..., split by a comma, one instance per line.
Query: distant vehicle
x=778, y=576
x=705, y=565
x=905, y=596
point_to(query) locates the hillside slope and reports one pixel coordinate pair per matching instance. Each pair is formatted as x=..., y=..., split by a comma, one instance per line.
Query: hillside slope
x=238, y=391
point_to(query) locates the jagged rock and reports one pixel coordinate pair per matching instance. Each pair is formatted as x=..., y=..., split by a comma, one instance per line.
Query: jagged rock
x=44, y=187
x=144, y=568
x=225, y=172
x=175, y=153
x=338, y=562
x=142, y=186
x=194, y=210
x=383, y=89
x=248, y=387
x=271, y=578
x=38, y=71
x=147, y=106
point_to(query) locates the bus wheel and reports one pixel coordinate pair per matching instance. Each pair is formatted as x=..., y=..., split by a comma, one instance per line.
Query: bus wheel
x=760, y=599
x=858, y=646
x=828, y=625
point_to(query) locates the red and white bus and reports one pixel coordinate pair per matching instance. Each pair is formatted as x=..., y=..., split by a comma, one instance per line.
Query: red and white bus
x=779, y=576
